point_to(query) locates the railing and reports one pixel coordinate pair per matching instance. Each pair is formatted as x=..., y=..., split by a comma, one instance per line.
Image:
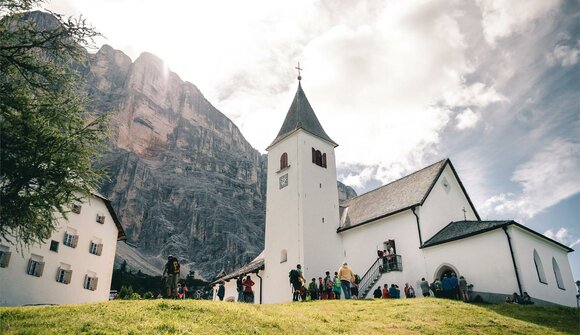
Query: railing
x=369, y=278
x=391, y=263
x=381, y=265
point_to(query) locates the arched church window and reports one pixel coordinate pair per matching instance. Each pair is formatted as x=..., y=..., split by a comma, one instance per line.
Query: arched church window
x=557, y=274
x=283, y=161
x=318, y=158
x=539, y=268
x=283, y=256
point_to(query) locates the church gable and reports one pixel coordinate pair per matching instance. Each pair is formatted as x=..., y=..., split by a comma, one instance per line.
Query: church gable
x=397, y=196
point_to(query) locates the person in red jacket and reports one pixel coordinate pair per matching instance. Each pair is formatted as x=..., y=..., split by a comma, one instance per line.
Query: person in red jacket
x=248, y=292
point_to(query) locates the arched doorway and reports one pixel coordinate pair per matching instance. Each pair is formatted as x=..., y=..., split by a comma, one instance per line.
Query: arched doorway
x=445, y=269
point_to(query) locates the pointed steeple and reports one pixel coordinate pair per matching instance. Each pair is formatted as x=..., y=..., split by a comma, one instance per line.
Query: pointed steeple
x=301, y=116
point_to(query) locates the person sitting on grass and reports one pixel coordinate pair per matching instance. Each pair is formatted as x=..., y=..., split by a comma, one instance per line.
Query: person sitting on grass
x=386, y=292
x=516, y=298
x=394, y=292
x=526, y=299
x=377, y=293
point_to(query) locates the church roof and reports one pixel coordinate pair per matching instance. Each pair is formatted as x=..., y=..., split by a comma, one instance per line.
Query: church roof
x=462, y=229
x=301, y=116
x=395, y=197
x=254, y=266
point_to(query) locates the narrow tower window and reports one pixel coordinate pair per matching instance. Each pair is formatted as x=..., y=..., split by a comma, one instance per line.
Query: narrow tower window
x=318, y=158
x=283, y=161
x=283, y=256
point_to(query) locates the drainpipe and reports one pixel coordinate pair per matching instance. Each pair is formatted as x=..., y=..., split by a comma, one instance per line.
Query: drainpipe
x=258, y=275
x=504, y=227
x=418, y=227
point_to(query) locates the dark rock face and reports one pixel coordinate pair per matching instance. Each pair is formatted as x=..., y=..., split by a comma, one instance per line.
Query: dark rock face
x=183, y=179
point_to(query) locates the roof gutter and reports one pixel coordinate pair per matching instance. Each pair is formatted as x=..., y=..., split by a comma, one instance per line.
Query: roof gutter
x=505, y=227
x=418, y=227
x=258, y=275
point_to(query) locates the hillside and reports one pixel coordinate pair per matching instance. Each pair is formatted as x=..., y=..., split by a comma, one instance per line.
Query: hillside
x=406, y=316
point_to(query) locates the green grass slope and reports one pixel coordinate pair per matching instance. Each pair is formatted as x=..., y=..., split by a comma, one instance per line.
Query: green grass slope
x=405, y=316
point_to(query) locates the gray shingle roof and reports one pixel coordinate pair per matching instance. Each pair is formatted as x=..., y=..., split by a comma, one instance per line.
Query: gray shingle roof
x=458, y=230
x=301, y=116
x=396, y=196
x=462, y=229
x=253, y=266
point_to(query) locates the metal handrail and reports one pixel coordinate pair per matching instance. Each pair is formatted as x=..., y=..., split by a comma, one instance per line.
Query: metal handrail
x=369, y=277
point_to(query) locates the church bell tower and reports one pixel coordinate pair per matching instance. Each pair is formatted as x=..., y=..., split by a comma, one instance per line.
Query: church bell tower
x=302, y=213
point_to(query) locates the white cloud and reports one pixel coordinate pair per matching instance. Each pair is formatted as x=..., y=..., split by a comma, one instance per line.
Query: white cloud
x=476, y=94
x=550, y=176
x=563, y=236
x=564, y=55
x=501, y=18
x=467, y=119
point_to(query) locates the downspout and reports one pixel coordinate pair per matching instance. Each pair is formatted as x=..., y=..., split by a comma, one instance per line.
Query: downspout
x=504, y=227
x=418, y=227
x=258, y=275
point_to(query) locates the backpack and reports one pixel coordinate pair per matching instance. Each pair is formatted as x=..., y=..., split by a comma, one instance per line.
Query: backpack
x=356, y=279
x=329, y=283
x=239, y=283
x=293, y=276
x=175, y=265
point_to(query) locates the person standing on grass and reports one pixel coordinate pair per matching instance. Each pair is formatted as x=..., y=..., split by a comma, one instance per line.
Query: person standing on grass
x=171, y=269
x=313, y=289
x=337, y=286
x=346, y=276
x=240, y=288
x=437, y=288
x=463, y=289
x=424, y=288
x=321, y=289
x=248, y=292
x=221, y=291
x=328, y=285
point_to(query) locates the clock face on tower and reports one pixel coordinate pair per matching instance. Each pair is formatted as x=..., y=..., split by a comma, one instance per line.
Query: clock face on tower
x=283, y=181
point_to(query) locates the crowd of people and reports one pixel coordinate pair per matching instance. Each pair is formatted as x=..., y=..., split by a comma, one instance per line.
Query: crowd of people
x=524, y=299
x=343, y=283
x=244, y=288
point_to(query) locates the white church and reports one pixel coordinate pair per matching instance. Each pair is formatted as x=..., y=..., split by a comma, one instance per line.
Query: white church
x=426, y=216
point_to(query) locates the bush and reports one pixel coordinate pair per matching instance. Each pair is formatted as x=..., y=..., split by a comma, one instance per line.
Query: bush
x=148, y=295
x=126, y=292
x=135, y=296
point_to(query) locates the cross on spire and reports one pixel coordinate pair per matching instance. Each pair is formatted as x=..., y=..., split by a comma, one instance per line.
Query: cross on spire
x=299, y=69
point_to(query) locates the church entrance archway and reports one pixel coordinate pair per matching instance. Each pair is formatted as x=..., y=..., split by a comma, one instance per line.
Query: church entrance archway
x=445, y=269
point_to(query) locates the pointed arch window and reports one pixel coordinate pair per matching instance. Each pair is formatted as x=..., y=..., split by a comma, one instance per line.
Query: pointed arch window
x=539, y=268
x=558, y=274
x=283, y=161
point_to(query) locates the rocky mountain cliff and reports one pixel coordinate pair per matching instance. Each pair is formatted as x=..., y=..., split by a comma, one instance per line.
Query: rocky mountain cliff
x=183, y=179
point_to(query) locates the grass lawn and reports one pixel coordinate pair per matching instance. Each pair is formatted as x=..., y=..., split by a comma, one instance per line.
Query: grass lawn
x=405, y=316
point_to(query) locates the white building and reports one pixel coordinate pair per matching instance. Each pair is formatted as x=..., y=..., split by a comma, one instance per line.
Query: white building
x=427, y=216
x=75, y=265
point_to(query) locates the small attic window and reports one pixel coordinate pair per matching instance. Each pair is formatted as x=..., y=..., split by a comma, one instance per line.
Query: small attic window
x=76, y=208
x=446, y=185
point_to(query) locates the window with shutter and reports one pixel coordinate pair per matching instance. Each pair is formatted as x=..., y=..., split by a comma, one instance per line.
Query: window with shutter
x=99, y=249
x=4, y=258
x=76, y=208
x=94, y=283
x=75, y=241
x=39, y=269
x=100, y=219
x=35, y=266
x=67, y=276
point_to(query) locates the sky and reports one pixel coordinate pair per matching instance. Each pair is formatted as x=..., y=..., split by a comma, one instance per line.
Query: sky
x=492, y=85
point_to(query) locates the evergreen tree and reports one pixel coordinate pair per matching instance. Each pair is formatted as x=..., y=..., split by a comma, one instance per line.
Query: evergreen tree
x=47, y=137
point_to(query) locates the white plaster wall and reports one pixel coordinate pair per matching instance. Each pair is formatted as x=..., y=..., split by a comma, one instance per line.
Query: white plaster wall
x=19, y=288
x=361, y=244
x=524, y=244
x=484, y=260
x=283, y=221
x=319, y=199
x=442, y=207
